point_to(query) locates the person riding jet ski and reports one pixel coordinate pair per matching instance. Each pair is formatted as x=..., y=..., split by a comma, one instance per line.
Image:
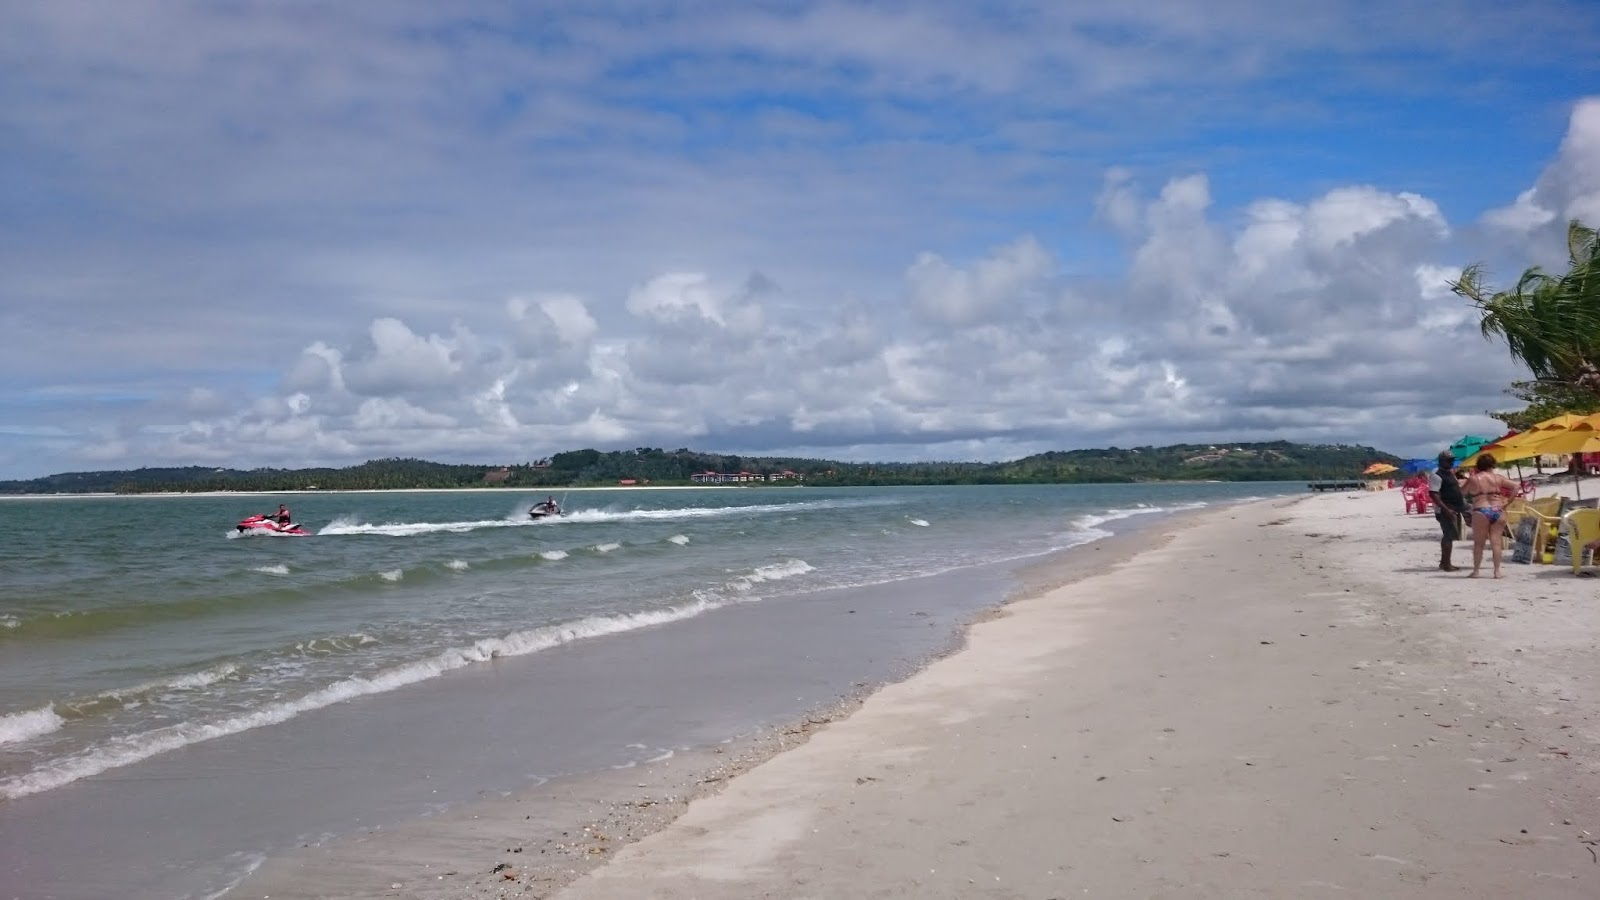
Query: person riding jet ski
x=546, y=507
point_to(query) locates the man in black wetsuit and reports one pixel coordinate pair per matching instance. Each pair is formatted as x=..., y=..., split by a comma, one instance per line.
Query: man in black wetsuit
x=1448, y=507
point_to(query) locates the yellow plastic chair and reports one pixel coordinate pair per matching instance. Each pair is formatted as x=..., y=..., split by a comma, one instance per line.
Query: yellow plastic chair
x=1547, y=506
x=1583, y=526
x=1544, y=533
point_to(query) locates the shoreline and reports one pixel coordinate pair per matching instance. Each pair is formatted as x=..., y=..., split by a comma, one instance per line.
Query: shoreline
x=571, y=826
x=1260, y=705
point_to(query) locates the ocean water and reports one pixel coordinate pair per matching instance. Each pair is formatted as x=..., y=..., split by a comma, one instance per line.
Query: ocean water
x=133, y=628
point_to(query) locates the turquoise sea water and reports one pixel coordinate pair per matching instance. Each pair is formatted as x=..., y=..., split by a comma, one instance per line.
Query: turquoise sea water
x=131, y=627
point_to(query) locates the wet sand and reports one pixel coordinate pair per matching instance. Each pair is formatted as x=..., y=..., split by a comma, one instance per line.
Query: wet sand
x=546, y=837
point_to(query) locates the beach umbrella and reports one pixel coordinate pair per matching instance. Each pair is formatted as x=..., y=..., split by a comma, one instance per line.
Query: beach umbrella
x=1380, y=469
x=1510, y=448
x=1469, y=444
x=1582, y=437
x=1565, y=420
x=1418, y=465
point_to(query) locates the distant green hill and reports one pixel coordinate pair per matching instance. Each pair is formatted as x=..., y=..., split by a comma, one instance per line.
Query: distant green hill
x=1274, y=461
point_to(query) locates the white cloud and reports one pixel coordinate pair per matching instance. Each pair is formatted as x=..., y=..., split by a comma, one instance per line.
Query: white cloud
x=237, y=239
x=1569, y=188
x=950, y=296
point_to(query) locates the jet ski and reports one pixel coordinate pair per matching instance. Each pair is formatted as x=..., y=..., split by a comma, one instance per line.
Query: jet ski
x=269, y=525
x=545, y=509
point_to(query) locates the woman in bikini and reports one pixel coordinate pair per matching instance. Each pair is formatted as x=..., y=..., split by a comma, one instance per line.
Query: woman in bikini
x=1488, y=492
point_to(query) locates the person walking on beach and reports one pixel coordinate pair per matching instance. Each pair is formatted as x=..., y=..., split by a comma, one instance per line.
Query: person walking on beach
x=1488, y=492
x=1448, y=508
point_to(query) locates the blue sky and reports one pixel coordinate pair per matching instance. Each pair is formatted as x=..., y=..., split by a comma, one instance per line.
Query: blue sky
x=304, y=233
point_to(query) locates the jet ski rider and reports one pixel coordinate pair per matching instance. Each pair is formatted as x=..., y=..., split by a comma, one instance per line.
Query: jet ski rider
x=282, y=516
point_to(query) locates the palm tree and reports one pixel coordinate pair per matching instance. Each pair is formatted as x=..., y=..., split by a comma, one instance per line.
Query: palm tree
x=1551, y=324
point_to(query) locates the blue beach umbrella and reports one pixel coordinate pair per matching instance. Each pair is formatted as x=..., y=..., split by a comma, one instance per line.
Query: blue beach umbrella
x=1412, y=466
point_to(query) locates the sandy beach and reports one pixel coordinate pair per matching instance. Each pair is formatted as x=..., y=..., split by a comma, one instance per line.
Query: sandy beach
x=1283, y=699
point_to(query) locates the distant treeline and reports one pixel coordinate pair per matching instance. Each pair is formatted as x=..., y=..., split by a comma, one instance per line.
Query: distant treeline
x=1275, y=461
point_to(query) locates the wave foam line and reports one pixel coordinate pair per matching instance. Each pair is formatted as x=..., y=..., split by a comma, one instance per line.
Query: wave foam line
x=279, y=569
x=119, y=697
x=129, y=749
x=29, y=724
x=350, y=526
x=410, y=529
x=789, y=568
x=1092, y=522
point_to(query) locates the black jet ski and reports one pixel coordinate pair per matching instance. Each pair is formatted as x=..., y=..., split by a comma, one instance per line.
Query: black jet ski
x=545, y=509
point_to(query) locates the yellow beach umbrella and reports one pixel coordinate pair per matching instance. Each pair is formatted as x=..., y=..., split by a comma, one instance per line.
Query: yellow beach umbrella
x=1565, y=420
x=1380, y=469
x=1584, y=437
x=1530, y=443
x=1518, y=446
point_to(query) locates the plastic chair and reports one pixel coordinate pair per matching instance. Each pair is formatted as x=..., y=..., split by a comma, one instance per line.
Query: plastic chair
x=1416, y=501
x=1547, y=524
x=1583, y=526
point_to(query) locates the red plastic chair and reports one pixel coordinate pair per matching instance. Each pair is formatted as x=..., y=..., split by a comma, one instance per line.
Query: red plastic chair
x=1417, y=501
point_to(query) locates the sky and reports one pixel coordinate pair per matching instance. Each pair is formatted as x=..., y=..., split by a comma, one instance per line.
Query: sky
x=290, y=233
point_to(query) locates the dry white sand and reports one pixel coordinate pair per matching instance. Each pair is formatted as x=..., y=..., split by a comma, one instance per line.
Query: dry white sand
x=1286, y=700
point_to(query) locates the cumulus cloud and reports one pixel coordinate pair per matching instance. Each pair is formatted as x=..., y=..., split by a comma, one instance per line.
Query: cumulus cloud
x=469, y=232
x=1569, y=187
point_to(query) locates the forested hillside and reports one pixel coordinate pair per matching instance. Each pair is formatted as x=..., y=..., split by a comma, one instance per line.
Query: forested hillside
x=1279, y=460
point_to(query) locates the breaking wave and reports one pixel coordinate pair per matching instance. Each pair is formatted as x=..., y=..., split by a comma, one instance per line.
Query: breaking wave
x=30, y=724
x=1090, y=523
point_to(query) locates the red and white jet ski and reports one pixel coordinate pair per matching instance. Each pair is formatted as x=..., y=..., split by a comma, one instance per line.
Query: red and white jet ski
x=268, y=525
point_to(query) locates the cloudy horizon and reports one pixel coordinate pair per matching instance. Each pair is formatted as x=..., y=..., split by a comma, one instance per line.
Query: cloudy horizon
x=294, y=234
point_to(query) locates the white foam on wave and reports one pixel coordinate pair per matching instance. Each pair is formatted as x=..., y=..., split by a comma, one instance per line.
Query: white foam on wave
x=345, y=525
x=459, y=565
x=775, y=572
x=126, y=750
x=10, y=622
x=348, y=525
x=392, y=574
x=1091, y=522
x=553, y=555
x=607, y=547
x=135, y=695
x=188, y=681
x=679, y=539
x=332, y=645
x=921, y=522
x=29, y=724
x=279, y=569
